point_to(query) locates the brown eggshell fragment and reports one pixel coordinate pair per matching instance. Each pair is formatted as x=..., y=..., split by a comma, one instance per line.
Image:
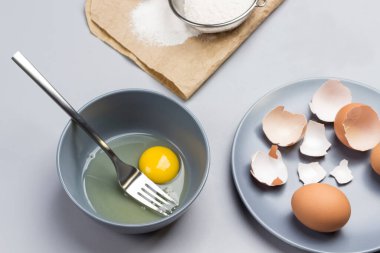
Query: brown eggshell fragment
x=273, y=151
x=284, y=128
x=321, y=207
x=358, y=127
x=329, y=99
x=338, y=123
x=375, y=159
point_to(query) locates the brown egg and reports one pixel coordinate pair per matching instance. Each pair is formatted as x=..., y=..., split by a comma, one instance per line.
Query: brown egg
x=321, y=207
x=375, y=159
x=357, y=126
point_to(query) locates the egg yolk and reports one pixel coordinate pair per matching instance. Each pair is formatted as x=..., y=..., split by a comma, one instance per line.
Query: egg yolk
x=160, y=164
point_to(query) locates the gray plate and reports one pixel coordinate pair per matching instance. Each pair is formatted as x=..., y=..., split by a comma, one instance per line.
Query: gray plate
x=271, y=206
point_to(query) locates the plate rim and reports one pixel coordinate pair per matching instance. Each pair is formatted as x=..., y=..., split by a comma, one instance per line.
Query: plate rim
x=233, y=169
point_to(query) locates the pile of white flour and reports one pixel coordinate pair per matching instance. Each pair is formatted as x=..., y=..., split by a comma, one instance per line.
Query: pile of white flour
x=215, y=11
x=154, y=23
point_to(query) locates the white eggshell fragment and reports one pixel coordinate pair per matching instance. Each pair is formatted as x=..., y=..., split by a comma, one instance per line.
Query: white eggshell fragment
x=342, y=173
x=311, y=173
x=267, y=169
x=315, y=143
x=284, y=128
x=329, y=99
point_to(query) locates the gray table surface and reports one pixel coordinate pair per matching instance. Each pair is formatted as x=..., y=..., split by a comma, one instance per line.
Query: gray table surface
x=302, y=39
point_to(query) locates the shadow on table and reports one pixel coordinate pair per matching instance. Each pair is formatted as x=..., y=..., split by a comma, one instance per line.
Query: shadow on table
x=78, y=228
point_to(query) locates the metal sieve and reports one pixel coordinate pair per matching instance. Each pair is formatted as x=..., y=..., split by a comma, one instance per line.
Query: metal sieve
x=177, y=7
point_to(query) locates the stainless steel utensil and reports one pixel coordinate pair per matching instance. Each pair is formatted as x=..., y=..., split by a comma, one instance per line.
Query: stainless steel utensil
x=130, y=179
x=177, y=8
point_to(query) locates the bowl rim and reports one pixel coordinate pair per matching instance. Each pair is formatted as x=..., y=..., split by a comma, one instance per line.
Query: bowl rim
x=162, y=220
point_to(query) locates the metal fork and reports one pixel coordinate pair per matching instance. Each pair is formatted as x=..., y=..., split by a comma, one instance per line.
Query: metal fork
x=130, y=179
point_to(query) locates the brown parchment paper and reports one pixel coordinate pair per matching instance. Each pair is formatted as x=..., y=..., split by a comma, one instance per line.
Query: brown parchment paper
x=182, y=68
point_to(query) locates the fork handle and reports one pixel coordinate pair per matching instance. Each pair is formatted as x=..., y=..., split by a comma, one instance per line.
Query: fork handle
x=33, y=73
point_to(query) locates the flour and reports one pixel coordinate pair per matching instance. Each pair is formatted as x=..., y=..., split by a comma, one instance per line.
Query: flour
x=215, y=11
x=154, y=23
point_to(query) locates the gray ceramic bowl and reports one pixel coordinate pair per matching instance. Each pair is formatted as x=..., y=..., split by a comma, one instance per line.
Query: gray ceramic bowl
x=129, y=111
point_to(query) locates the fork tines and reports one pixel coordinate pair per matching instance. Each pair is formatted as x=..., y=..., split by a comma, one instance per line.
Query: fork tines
x=148, y=193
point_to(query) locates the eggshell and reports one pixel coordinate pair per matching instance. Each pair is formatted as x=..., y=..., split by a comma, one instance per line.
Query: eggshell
x=310, y=173
x=358, y=127
x=329, y=99
x=315, y=143
x=375, y=159
x=273, y=151
x=321, y=207
x=284, y=128
x=339, y=120
x=342, y=173
x=269, y=168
